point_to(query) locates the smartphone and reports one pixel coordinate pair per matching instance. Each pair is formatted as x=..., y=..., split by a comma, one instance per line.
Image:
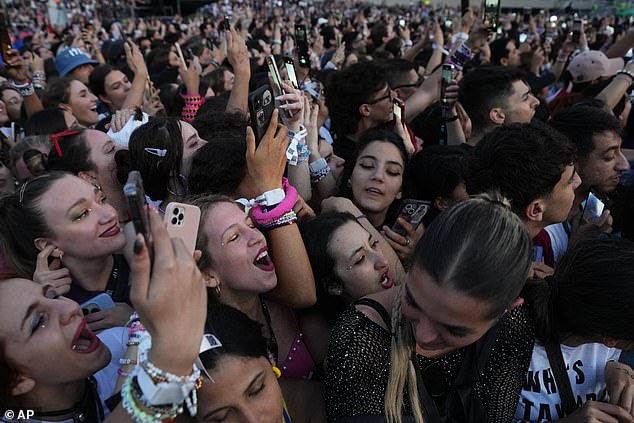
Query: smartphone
x=277, y=83
x=491, y=18
x=401, y=23
x=180, y=54
x=523, y=37
x=5, y=38
x=399, y=109
x=537, y=253
x=413, y=212
x=226, y=24
x=464, y=5
x=261, y=106
x=593, y=208
x=182, y=222
x=150, y=86
x=135, y=198
x=446, y=77
x=527, y=15
x=289, y=64
x=302, y=45
x=577, y=27
x=100, y=302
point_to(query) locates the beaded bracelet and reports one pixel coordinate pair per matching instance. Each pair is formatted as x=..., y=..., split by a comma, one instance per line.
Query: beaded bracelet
x=136, y=413
x=127, y=361
x=626, y=73
x=320, y=175
x=139, y=398
x=25, y=90
x=286, y=219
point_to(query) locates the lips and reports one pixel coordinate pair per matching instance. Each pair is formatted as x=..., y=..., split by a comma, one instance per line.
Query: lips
x=262, y=260
x=386, y=281
x=84, y=341
x=374, y=191
x=111, y=231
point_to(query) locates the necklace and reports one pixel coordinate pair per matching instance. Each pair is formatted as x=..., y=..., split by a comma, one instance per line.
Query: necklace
x=88, y=409
x=271, y=343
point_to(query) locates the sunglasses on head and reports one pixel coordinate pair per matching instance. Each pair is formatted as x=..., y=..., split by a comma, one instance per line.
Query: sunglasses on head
x=56, y=138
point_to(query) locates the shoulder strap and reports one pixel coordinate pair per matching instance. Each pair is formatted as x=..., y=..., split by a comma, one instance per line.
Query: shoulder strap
x=430, y=410
x=378, y=307
x=556, y=359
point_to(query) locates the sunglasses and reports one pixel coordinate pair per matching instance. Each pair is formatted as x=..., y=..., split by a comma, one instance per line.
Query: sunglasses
x=56, y=138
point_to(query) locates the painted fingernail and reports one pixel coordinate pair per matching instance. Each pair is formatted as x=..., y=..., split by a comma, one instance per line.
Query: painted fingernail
x=138, y=246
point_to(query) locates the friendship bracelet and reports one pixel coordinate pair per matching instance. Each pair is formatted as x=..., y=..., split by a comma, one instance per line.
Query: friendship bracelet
x=127, y=361
x=25, y=90
x=136, y=413
x=320, y=175
x=259, y=215
x=627, y=73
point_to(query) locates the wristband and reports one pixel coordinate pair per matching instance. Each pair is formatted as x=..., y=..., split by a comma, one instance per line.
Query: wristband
x=627, y=73
x=452, y=118
x=277, y=42
x=408, y=43
x=25, y=90
x=260, y=216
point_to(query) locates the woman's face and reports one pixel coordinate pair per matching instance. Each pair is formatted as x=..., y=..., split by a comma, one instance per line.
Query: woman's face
x=239, y=250
x=83, y=224
x=442, y=319
x=4, y=114
x=245, y=390
x=359, y=262
x=335, y=162
x=191, y=144
x=83, y=104
x=377, y=177
x=117, y=87
x=102, y=151
x=45, y=337
x=13, y=101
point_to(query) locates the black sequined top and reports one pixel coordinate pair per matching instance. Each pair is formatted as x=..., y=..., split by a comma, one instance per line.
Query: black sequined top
x=359, y=361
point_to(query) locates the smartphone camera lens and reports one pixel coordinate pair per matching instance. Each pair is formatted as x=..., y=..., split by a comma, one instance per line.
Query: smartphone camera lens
x=181, y=217
x=176, y=211
x=174, y=221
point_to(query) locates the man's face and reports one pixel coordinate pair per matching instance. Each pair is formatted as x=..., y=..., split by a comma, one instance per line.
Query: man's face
x=558, y=203
x=521, y=105
x=513, y=58
x=603, y=167
x=408, y=85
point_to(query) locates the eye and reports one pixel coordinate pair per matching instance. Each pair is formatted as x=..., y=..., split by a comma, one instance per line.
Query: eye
x=82, y=215
x=393, y=173
x=257, y=390
x=374, y=244
x=234, y=237
x=37, y=321
x=360, y=259
x=458, y=333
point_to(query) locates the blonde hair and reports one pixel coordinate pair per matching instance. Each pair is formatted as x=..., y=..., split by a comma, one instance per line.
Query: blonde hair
x=484, y=224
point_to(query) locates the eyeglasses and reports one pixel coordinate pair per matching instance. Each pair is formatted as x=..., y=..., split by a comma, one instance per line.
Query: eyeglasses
x=57, y=137
x=416, y=85
x=376, y=100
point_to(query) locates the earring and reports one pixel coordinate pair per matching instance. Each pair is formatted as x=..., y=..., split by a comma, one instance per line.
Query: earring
x=349, y=184
x=60, y=254
x=217, y=289
x=277, y=371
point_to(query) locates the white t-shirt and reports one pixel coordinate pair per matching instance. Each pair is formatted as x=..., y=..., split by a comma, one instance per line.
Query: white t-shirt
x=540, y=399
x=558, y=240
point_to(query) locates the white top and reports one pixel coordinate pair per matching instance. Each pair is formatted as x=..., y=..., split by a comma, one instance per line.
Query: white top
x=540, y=399
x=558, y=240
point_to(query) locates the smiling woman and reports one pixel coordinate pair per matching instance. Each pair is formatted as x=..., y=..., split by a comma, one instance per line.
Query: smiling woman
x=73, y=96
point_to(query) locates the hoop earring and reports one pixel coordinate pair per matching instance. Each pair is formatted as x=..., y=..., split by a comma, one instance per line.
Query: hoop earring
x=217, y=289
x=277, y=371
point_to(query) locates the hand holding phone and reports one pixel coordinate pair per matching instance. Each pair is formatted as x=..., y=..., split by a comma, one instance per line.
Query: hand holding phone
x=446, y=78
x=592, y=209
x=137, y=206
x=276, y=80
x=399, y=110
x=412, y=211
x=261, y=106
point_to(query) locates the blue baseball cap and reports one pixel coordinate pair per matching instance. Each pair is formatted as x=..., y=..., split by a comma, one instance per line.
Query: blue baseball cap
x=69, y=59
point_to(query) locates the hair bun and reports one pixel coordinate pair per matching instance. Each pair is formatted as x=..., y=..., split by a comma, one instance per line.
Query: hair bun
x=36, y=161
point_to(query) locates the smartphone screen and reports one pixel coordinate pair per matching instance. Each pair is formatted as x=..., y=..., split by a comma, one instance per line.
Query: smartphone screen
x=577, y=27
x=290, y=70
x=135, y=198
x=398, y=109
x=226, y=24
x=593, y=208
x=302, y=45
x=5, y=38
x=275, y=75
x=491, y=14
x=446, y=77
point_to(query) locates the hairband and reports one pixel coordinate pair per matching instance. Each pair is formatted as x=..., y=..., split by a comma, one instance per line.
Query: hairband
x=155, y=151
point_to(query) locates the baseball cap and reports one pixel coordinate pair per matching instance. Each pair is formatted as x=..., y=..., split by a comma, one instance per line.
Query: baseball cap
x=591, y=65
x=69, y=59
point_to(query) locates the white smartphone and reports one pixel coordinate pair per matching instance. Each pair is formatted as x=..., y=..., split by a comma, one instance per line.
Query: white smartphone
x=182, y=221
x=593, y=209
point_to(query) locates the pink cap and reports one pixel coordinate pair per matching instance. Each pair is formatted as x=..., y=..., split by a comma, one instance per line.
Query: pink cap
x=591, y=65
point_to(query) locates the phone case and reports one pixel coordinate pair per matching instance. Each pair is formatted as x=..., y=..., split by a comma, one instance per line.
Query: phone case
x=135, y=198
x=261, y=106
x=302, y=45
x=101, y=302
x=182, y=222
x=413, y=212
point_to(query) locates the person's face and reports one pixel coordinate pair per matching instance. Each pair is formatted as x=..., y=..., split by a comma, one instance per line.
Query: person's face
x=191, y=143
x=82, y=72
x=7, y=181
x=228, y=80
x=335, y=162
x=377, y=177
x=408, y=87
x=351, y=59
x=381, y=111
x=513, y=58
x=205, y=57
x=39, y=331
x=238, y=250
x=442, y=319
x=4, y=115
x=559, y=202
x=117, y=87
x=13, y=101
x=83, y=224
x=83, y=104
x=521, y=104
x=245, y=391
x=359, y=262
x=603, y=167
x=102, y=151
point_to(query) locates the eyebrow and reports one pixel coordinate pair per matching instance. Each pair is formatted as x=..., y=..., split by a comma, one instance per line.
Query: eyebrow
x=354, y=253
x=367, y=156
x=614, y=147
x=78, y=202
x=253, y=381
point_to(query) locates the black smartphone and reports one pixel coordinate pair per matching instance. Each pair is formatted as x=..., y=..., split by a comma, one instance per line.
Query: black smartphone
x=289, y=64
x=413, y=212
x=491, y=18
x=135, y=198
x=464, y=5
x=527, y=15
x=5, y=38
x=446, y=76
x=261, y=106
x=226, y=24
x=302, y=45
x=577, y=27
x=276, y=79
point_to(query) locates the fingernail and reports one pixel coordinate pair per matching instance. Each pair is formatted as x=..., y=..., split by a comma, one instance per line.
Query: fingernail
x=138, y=245
x=279, y=97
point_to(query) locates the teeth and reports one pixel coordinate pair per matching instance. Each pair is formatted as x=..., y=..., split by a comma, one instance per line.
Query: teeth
x=262, y=255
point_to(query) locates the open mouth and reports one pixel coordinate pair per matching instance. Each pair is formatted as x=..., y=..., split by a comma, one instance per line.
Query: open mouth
x=263, y=261
x=386, y=281
x=374, y=191
x=111, y=231
x=84, y=341
x=94, y=109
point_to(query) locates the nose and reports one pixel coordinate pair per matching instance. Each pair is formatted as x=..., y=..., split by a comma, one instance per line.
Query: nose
x=380, y=262
x=256, y=237
x=621, y=162
x=535, y=101
x=576, y=181
x=378, y=174
x=107, y=213
x=340, y=162
x=68, y=311
x=425, y=332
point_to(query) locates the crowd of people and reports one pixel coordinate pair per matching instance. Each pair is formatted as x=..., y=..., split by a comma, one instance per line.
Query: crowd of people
x=428, y=219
